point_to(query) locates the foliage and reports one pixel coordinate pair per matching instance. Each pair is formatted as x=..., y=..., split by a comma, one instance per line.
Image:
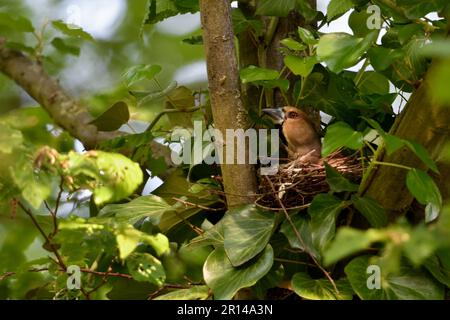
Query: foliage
x=89, y=208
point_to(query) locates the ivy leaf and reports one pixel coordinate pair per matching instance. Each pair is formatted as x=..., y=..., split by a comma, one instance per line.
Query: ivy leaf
x=338, y=7
x=194, y=293
x=422, y=154
x=140, y=72
x=113, y=118
x=324, y=211
x=225, y=280
x=280, y=8
x=358, y=23
x=145, y=267
x=341, y=135
x=337, y=182
x=349, y=241
x=382, y=58
x=159, y=10
x=425, y=190
x=320, y=289
x=340, y=50
x=408, y=284
x=307, y=36
x=300, y=66
x=303, y=227
x=71, y=30
x=247, y=231
x=292, y=44
x=371, y=210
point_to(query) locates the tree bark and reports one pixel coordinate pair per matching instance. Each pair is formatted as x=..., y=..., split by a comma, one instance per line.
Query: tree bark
x=239, y=180
x=427, y=122
x=65, y=111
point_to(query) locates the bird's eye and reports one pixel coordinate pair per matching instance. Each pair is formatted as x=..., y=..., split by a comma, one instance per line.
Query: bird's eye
x=292, y=115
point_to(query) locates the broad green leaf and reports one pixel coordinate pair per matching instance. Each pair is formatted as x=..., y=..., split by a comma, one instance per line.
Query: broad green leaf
x=422, y=154
x=307, y=36
x=194, y=293
x=292, y=44
x=64, y=47
x=408, y=284
x=71, y=30
x=253, y=73
x=371, y=210
x=349, y=241
x=20, y=47
x=439, y=271
x=145, y=267
x=279, y=8
x=338, y=7
x=393, y=143
x=415, y=9
x=159, y=10
x=151, y=207
x=374, y=83
x=10, y=138
x=358, y=23
x=324, y=211
x=225, y=280
x=113, y=118
x=300, y=66
x=303, y=227
x=337, y=182
x=114, y=176
x=382, y=58
x=241, y=23
x=140, y=72
x=425, y=190
x=341, y=135
x=247, y=231
x=421, y=245
x=320, y=289
x=340, y=50
x=214, y=236
x=16, y=22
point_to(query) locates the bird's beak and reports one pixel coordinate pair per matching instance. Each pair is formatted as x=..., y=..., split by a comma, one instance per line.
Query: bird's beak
x=276, y=114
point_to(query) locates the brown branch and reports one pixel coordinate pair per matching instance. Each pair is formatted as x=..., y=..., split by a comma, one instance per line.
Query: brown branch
x=65, y=111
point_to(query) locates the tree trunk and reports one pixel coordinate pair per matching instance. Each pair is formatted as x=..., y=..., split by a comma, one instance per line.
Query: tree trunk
x=427, y=122
x=239, y=180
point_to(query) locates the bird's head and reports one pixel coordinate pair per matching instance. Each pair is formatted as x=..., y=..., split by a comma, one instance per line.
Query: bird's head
x=286, y=114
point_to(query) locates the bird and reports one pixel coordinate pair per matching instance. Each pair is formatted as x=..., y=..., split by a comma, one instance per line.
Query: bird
x=303, y=141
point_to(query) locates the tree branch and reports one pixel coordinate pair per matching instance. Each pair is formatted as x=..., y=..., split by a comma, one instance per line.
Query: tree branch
x=64, y=110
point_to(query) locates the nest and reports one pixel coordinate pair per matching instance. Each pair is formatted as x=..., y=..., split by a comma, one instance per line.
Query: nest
x=296, y=182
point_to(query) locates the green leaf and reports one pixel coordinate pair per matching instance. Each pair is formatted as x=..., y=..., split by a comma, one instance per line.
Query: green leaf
x=338, y=7
x=374, y=83
x=341, y=135
x=422, y=153
x=358, y=23
x=150, y=206
x=162, y=9
x=194, y=40
x=408, y=284
x=247, y=231
x=111, y=176
x=253, y=73
x=324, y=211
x=421, y=245
x=140, y=72
x=194, y=293
x=340, y=50
x=64, y=47
x=113, y=118
x=145, y=267
x=279, y=8
x=303, y=227
x=337, y=182
x=213, y=236
x=225, y=280
x=371, y=210
x=382, y=58
x=10, y=138
x=293, y=45
x=300, y=66
x=393, y=143
x=425, y=190
x=71, y=30
x=16, y=22
x=307, y=36
x=320, y=289
x=440, y=272
x=349, y=241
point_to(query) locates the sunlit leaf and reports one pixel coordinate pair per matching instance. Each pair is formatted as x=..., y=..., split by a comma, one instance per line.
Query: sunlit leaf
x=145, y=267
x=320, y=289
